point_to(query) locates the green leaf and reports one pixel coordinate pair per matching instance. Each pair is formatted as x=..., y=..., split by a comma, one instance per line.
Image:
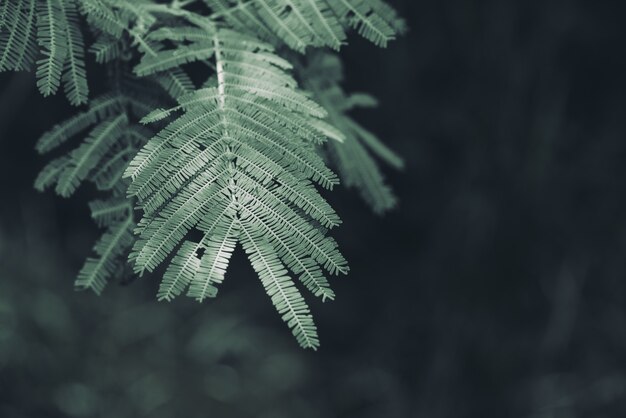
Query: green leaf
x=99, y=109
x=74, y=77
x=17, y=35
x=280, y=288
x=97, y=271
x=52, y=38
x=172, y=58
x=89, y=154
x=241, y=150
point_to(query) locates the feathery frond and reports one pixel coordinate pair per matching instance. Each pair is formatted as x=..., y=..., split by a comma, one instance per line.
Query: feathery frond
x=87, y=156
x=105, y=212
x=240, y=151
x=175, y=82
x=106, y=48
x=115, y=242
x=17, y=35
x=355, y=164
x=316, y=23
x=99, y=109
x=280, y=288
x=101, y=158
x=50, y=31
x=74, y=77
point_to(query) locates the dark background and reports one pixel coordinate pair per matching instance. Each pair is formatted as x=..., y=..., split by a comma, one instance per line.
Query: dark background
x=496, y=289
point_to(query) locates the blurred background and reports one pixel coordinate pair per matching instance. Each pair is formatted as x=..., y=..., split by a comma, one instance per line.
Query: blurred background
x=496, y=289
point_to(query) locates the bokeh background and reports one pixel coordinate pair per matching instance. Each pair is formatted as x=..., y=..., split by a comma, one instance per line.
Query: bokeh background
x=496, y=289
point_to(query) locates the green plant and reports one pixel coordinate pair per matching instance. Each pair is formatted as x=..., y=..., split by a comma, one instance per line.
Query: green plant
x=235, y=156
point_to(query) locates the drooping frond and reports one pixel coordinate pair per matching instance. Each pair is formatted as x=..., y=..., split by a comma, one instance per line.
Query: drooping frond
x=111, y=140
x=106, y=48
x=74, y=77
x=389, y=15
x=373, y=19
x=280, y=288
x=180, y=271
x=47, y=31
x=116, y=215
x=112, y=245
x=218, y=244
x=104, y=153
x=175, y=82
x=52, y=38
x=99, y=109
x=374, y=144
x=352, y=156
x=87, y=156
x=302, y=23
x=240, y=151
x=108, y=174
x=121, y=21
x=358, y=169
x=6, y=8
x=103, y=17
x=17, y=35
x=172, y=58
x=50, y=173
x=241, y=16
x=105, y=212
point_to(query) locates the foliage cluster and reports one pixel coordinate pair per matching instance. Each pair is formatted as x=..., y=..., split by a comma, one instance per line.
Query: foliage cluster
x=189, y=168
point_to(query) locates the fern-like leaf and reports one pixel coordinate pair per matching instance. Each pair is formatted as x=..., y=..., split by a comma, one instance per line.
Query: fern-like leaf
x=115, y=242
x=101, y=158
x=49, y=30
x=99, y=109
x=303, y=23
x=240, y=151
x=168, y=59
x=104, y=18
x=180, y=271
x=52, y=38
x=365, y=16
x=241, y=16
x=175, y=82
x=17, y=35
x=50, y=173
x=74, y=77
x=352, y=156
x=88, y=155
x=280, y=288
x=106, y=48
x=106, y=212
x=219, y=244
